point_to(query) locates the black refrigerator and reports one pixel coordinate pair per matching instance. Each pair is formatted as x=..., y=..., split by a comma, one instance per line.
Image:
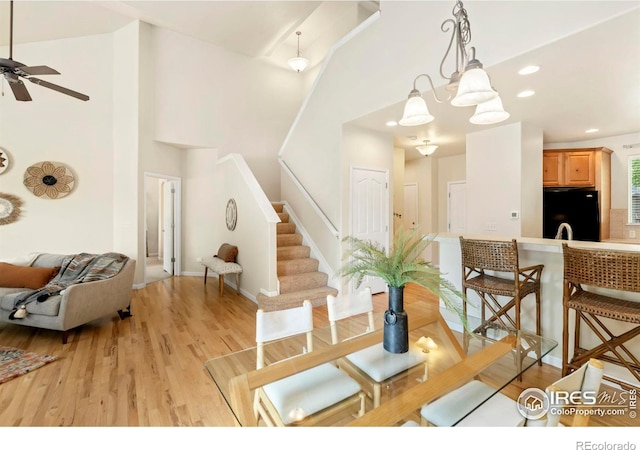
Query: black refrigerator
x=576, y=206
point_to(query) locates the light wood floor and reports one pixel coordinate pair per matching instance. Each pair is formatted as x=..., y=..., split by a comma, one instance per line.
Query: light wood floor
x=148, y=370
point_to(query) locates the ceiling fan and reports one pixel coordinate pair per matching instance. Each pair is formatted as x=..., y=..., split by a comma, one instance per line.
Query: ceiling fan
x=13, y=71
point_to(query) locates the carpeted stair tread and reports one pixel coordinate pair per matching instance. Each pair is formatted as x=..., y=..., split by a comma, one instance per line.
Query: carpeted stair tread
x=288, y=240
x=285, y=228
x=298, y=275
x=302, y=282
x=293, y=252
x=317, y=297
x=297, y=266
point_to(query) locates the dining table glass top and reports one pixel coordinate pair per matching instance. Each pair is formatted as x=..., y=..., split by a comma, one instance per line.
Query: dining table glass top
x=451, y=358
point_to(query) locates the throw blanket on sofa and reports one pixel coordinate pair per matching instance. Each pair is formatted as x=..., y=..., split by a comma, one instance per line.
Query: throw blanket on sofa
x=80, y=268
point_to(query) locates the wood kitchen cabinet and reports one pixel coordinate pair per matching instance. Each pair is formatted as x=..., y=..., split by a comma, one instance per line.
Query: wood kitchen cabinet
x=581, y=167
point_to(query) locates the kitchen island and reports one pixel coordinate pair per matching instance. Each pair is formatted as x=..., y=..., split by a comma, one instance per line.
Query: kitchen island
x=548, y=252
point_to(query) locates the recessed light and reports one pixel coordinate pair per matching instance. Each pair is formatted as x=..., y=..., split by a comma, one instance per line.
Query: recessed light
x=524, y=94
x=528, y=70
x=592, y=130
x=391, y=123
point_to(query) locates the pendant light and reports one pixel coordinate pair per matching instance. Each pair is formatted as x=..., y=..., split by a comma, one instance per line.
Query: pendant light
x=426, y=149
x=298, y=63
x=469, y=84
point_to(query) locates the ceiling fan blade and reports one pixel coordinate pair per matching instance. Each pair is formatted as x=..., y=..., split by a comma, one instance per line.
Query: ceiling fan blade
x=39, y=70
x=61, y=89
x=18, y=88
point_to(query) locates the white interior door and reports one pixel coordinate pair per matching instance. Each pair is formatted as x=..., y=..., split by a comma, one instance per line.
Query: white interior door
x=168, y=224
x=370, y=213
x=457, y=207
x=410, y=215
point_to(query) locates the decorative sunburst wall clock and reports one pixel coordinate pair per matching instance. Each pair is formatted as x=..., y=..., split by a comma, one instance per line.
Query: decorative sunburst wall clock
x=9, y=208
x=49, y=179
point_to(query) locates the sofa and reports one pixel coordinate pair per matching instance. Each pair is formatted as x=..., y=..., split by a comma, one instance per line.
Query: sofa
x=76, y=305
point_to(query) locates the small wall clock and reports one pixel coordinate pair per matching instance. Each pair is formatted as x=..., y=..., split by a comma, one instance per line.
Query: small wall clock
x=232, y=214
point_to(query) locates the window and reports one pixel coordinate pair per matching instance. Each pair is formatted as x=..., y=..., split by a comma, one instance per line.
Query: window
x=634, y=189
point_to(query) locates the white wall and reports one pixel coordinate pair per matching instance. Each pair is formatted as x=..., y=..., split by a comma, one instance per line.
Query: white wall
x=255, y=232
x=56, y=127
x=499, y=182
x=208, y=96
x=199, y=208
x=423, y=172
x=531, y=181
x=450, y=168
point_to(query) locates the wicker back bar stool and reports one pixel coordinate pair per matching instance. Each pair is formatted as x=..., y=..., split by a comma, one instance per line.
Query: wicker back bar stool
x=613, y=270
x=492, y=270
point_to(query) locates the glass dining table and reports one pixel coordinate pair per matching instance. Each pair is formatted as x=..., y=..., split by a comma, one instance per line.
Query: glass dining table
x=452, y=358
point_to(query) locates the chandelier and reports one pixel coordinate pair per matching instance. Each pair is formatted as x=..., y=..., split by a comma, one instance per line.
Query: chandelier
x=298, y=63
x=426, y=149
x=469, y=84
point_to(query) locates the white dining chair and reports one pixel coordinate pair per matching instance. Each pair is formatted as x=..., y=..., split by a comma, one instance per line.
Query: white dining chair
x=502, y=411
x=320, y=392
x=373, y=365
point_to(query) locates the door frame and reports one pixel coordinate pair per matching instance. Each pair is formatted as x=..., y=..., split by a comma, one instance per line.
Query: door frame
x=177, y=216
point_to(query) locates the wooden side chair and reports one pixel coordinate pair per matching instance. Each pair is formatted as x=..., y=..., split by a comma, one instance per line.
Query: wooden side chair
x=372, y=366
x=618, y=272
x=317, y=393
x=502, y=411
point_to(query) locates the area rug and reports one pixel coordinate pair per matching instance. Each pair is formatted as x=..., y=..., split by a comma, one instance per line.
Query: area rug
x=15, y=362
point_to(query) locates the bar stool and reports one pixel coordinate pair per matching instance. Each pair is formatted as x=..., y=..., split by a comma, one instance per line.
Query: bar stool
x=492, y=270
x=482, y=262
x=613, y=270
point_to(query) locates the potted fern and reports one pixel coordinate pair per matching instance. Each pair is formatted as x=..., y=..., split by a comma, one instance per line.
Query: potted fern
x=401, y=265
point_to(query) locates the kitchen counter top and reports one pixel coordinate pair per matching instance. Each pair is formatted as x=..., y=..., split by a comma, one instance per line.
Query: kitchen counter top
x=549, y=245
x=532, y=251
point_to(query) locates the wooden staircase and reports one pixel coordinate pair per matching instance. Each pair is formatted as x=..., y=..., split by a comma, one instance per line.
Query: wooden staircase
x=297, y=272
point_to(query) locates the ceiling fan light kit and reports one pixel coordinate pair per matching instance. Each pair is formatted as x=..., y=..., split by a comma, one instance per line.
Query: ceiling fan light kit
x=14, y=72
x=469, y=84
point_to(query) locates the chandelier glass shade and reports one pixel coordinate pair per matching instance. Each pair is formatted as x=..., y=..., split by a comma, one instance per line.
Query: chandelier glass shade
x=469, y=84
x=474, y=88
x=489, y=112
x=415, y=111
x=298, y=63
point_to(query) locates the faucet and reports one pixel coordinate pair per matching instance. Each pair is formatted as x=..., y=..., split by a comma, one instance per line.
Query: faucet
x=563, y=226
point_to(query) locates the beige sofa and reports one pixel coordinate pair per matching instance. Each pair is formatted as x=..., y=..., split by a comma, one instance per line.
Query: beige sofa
x=77, y=305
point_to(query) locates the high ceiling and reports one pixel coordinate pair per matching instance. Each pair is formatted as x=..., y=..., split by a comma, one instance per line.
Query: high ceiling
x=259, y=29
x=587, y=80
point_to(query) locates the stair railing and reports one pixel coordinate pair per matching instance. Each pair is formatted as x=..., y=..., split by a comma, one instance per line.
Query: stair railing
x=309, y=199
